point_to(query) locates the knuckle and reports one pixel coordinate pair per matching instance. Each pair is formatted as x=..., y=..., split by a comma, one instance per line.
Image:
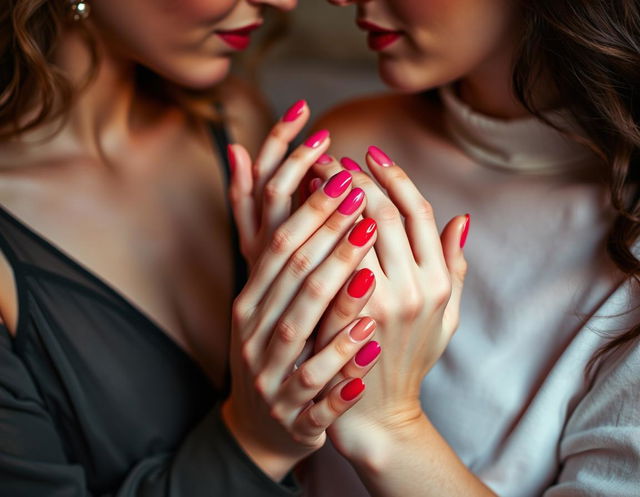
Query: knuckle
x=334, y=407
x=308, y=378
x=281, y=241
x=239, y=309
x=342, y=311
x=260, y=385
x=343, y=347
x=314, y=420
x=334, y=225
x=277, y=133
x=412, y=305
x=423, y=210
x=246, y=354
x=300, y=264
x=276, y=413
x=286, y=331
x=387, y=212
x=273, y=193
x=345, y=253
x=396, y=174
x=315, y=288
x=441, y=293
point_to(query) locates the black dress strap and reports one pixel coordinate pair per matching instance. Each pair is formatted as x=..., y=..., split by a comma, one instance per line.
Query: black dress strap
x=220, y=138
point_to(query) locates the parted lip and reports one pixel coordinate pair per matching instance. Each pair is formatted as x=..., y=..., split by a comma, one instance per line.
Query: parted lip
x=370, y=26
x=244, y=30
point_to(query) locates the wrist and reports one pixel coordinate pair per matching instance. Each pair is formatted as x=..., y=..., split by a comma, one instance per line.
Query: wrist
x=275, y=465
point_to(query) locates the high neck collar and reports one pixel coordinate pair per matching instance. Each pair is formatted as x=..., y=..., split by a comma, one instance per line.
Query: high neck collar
x=525, y=145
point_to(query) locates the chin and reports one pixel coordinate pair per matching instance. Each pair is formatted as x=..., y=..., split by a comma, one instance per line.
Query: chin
x=198, y=75
x=405, y=77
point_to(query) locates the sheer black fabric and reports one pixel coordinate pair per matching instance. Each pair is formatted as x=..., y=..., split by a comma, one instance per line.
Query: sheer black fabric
x=96, y=399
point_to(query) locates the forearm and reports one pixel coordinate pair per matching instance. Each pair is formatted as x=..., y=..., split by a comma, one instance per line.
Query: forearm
x=415, y=461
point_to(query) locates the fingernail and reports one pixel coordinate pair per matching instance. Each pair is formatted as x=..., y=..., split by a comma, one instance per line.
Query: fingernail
x=231, y=156
x=379, y=156
x=368, y=353
x=314, y=184
x=316, y=139
x=324, y=159
x=363, y=232
x=338, y=184
x=352, y=389
x=361, y=283
x=351, y=203
x=465, y=231
x=350, y=164
x=362, y=329
x=294, y=112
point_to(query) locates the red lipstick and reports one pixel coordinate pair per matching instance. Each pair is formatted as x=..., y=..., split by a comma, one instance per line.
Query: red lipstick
x=238, y=39
x=379, y=37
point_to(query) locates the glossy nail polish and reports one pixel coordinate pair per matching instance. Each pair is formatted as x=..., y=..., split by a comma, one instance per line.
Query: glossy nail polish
x=380, y=157
x=465, y=231
x=363, y=232
x=316, y=139
x=351, y=203
x=231, y=156
x=324, y=159
x=361, y=283
x=350, y=164
x=294, y=112
x=338, y=184
x=352, y=389
x=367, y=354
x=362, y=329
x=314, y=184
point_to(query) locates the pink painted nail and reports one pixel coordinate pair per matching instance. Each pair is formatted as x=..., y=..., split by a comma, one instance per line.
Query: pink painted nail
x=315, y=140
x=350, y=164
x=465, y=231
x=338, y=184
x=324, y=159
x=368, y=353
x=314, y=184
x=350, y=204
x=294, y=112
x=380, y=157
x=232, y=158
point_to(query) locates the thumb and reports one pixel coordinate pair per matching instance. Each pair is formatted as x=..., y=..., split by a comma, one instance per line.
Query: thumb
x=241, y=196
x=454, y=238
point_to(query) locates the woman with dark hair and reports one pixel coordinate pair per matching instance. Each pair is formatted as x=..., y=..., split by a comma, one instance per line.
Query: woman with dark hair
x=525, y=114
x=118, y=261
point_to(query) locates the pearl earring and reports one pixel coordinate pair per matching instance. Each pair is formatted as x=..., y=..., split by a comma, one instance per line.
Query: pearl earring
x=79, y=9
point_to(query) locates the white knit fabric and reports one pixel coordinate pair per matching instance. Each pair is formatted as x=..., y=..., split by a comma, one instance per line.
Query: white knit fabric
x=509, y=394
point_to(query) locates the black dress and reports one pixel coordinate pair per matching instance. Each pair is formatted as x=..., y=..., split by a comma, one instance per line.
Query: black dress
x=97, y=400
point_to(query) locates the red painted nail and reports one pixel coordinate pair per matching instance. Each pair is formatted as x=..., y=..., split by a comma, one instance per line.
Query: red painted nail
x=361, y=283
x=231, y=156
x=352, y=389
x=350, y=164
x=367, y=354
x=316, y=139
x=362, y=329
x=294, y=112
x=338, y=184
x=324, y=159
x=351, y=203
x=380, y=157
x=314, y=184
x=465, y=231
x=363, y=232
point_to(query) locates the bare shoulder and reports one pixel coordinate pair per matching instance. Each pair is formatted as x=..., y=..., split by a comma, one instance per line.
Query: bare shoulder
x=248, y=116
x=389, y=121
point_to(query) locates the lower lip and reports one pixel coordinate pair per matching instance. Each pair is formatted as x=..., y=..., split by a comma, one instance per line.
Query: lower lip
x=235, y=40
x=379, y=41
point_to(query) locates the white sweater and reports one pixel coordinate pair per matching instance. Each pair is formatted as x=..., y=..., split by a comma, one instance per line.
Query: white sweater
x=509, y=394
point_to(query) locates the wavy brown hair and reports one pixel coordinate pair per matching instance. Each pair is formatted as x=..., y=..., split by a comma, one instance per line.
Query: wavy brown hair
x=591, y=50
x=33, y=91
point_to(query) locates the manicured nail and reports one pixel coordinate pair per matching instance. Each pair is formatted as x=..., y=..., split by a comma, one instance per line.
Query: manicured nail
x=361, y=283
x=350, y=164
x=294, y=112
x=380, y=157
x=351, y=203
x=316, y=139
x=352, y=389
x=367, y=354
x=362, y=329
x=363, y=232
x=465, y=231
x=314, y=184
x=324, y=159
x=338, y=184
x=231, y=156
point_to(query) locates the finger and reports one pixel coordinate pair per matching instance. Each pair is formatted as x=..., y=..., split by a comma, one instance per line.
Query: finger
x=317, y=291
x=283, y=184
x=306, y=382
x=293, y=233
x=454, y=237
x=241, y=196
x=363, y=361
x=315, y=419
x=347, y=305
x=419, y=218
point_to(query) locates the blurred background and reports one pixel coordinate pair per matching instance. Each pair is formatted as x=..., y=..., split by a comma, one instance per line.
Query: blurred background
x=317, y=53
